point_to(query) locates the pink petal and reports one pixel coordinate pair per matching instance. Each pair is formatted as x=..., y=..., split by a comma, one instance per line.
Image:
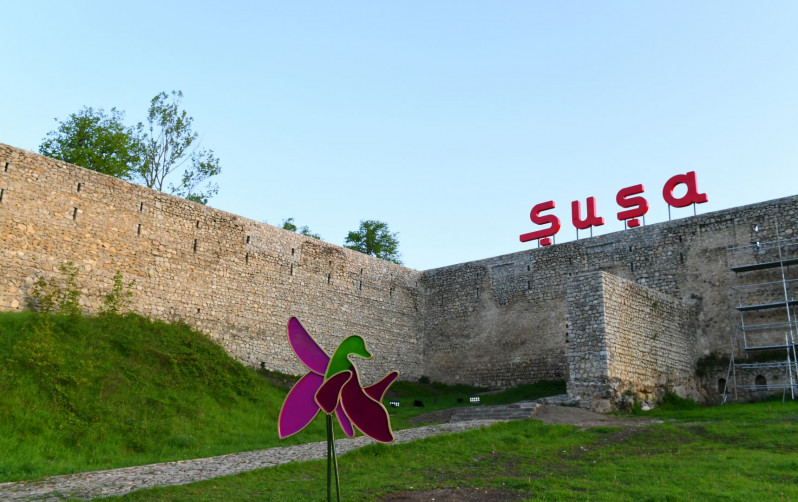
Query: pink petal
x=329, y=392
x=377, y=391
x=367, y=414
x=306, y=349
x=299, y=407
x=346, y=425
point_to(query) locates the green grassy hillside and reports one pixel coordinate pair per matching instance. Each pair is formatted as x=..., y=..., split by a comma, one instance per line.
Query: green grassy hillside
x=82, y=394
x=92, y=393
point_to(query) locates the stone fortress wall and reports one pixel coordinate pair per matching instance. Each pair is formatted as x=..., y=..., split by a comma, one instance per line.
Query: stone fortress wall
x=237, y=279
x=494, y=322
x=625, y=341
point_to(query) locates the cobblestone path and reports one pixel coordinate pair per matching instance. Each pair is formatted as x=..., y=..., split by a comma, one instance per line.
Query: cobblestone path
x=87, y=485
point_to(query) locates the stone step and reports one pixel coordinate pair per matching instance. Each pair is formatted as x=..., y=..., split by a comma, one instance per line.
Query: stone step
x=514, y=411
x=501, y=412
x=558, y=400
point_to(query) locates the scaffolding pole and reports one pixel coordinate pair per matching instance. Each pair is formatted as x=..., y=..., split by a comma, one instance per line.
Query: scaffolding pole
x=762, y=299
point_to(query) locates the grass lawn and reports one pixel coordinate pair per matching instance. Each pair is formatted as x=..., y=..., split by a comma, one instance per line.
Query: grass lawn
x=437, y=396
x=732, y=452
x=84, y=394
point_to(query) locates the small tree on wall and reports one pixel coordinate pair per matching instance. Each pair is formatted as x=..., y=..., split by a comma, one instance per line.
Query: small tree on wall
x=169, y=145
x=95, y=140
x=164, y=155
x=288, y=224
x=118, y=300
x=375, y=238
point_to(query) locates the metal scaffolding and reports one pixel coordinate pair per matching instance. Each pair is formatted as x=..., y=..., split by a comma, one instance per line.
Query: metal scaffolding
x=765, y=337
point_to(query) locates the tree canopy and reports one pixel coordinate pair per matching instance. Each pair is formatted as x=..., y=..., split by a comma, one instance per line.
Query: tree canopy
x=169, y=145
x=375, y=238
x=288, y=224
x=164, y=155
x=95, y=140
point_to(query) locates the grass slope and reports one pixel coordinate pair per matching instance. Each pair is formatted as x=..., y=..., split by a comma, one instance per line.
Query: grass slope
x=82, y=394
x=92, y=393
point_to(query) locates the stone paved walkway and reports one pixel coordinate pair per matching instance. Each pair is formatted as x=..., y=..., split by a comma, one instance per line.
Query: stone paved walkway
x=88, y=485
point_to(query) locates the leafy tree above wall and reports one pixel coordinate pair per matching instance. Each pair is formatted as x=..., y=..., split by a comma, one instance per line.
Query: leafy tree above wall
x=288, y=224
x=375, y=238
x=95, y=140
x=164, y=155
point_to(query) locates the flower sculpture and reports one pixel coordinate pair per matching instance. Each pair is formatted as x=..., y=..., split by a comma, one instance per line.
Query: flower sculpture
x=333, y=386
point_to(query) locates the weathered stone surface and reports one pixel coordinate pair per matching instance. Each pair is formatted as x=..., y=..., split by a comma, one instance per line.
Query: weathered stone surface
x=627, y=342
x=495, y=322
x=503, y=320
x=237, y=279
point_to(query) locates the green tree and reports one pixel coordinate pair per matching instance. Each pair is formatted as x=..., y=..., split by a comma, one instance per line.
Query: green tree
x=92, y=139
x=169, y=146
x=288, y=224
x=164, y=155
x=374, y=238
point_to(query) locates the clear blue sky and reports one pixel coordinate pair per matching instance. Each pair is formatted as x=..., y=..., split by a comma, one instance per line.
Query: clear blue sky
x=447, y=120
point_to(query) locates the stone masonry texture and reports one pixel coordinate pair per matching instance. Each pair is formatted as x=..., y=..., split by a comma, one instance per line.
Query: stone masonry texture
x=627, y=340
x=495, y=322
x=236, y=279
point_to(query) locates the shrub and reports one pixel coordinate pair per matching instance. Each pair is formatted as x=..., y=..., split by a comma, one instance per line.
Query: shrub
x=118, y=300
x=58, y=296
x=671, y=401
x=709, y=363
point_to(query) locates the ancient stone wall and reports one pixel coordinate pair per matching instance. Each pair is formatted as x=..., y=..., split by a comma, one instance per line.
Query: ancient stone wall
x=494, y=322
x=237, y=279
x=627, y=341
x=502, y=320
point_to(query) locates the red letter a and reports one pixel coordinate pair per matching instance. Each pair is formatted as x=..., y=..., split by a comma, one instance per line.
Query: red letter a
x=691, y=197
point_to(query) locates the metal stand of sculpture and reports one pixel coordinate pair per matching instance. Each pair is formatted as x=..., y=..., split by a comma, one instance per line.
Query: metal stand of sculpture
x=333, y=386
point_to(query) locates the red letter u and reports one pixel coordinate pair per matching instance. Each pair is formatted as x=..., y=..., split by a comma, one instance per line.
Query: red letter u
x=591, y=220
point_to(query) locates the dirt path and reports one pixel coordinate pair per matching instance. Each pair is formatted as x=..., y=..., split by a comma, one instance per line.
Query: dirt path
x=584, y=418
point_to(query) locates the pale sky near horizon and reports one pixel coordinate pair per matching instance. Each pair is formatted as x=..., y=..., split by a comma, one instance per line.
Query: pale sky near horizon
x=447, y=120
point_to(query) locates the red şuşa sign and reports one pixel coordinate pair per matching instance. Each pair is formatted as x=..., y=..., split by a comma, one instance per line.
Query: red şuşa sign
x=628, y=198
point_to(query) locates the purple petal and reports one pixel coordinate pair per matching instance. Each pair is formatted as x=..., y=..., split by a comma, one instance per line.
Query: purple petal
x=377, y=391
x=306, y=348
x=299, y=407
x=329, y=392
x=346, y=425
x=367, y=414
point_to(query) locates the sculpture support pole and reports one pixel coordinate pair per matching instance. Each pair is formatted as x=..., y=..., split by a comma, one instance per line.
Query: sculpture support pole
x=329, y=460
x=332, y=463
